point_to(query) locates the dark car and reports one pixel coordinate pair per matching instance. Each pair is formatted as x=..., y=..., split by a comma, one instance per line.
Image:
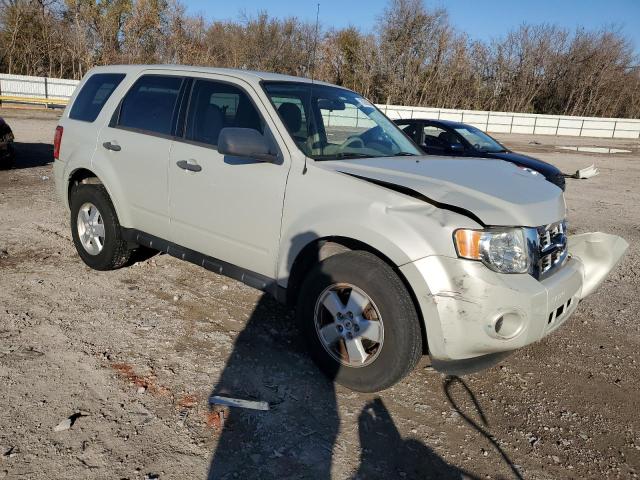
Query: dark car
x=444, y=137
x=7, y=155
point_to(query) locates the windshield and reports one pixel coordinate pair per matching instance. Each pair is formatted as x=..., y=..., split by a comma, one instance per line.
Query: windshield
x=330, y=123
x=479, y=140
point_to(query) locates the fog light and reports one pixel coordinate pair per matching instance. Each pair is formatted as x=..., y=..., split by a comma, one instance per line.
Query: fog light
x=507, y=325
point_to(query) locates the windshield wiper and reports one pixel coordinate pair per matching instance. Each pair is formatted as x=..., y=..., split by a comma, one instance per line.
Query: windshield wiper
x=404, y=154
x=342, y=156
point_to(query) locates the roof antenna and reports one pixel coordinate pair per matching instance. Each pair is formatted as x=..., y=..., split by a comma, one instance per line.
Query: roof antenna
x=313, y=71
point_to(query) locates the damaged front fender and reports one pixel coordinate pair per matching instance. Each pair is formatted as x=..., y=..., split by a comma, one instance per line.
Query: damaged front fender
x=599, y=253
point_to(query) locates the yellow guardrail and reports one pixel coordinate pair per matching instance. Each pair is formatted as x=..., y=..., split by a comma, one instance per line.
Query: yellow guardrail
x=45, y=102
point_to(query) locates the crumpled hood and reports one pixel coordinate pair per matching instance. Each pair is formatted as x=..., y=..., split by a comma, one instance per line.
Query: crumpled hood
x=497, y=192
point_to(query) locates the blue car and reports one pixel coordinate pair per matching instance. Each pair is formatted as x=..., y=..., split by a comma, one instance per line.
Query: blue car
x=444, y=137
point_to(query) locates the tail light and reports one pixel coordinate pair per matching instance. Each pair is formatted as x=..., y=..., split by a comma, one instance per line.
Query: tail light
x=57, y=140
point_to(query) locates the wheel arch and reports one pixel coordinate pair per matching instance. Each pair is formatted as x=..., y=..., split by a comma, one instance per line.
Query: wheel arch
x=321, y=248
x=81, y=176
x=91, y=176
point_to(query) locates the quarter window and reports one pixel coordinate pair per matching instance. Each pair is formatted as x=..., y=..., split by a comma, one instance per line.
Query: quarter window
x=215, y=106
x=151, y=104
x=94, y=94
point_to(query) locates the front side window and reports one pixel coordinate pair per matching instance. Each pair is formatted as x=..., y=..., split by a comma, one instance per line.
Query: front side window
x=151, y=104
x=331, y=123
x=440, y=138
x=94, y=94
x=214, y=106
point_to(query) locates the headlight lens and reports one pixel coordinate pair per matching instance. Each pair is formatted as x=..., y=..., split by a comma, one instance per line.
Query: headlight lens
x=502, y=250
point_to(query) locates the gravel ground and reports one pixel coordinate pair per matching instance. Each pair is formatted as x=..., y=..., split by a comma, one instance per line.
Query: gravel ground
x=131, y=356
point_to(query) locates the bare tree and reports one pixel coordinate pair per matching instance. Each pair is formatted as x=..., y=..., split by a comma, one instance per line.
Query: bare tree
x=413, y=56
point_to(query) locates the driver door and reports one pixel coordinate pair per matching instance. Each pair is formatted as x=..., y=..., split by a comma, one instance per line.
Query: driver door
x=225, y=207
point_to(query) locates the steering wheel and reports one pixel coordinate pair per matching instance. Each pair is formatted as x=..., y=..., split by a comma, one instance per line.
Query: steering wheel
x=354, y=141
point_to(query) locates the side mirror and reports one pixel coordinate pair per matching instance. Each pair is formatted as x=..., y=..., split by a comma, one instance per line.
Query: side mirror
x=245, y=143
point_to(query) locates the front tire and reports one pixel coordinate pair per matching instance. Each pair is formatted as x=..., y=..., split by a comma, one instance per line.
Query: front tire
x=95, y=228
x=360, y=322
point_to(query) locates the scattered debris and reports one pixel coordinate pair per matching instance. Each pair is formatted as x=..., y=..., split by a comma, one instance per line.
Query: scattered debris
x=182, y=417
x=148, y=381
x=532, y=439
x=588, y=172
x=188, y=401
x=236, y=402
x=278, y=453
x=45, y=177
x=10, y=452
x=534, y=142
x=68, y=422
x=151, y=476
x=215, y=419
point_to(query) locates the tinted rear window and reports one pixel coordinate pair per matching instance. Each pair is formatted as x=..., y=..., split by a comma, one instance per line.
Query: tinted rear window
x=150, y=105
x=94, y=94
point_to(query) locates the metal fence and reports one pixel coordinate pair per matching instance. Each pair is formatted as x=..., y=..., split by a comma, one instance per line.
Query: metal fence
x=56, y=92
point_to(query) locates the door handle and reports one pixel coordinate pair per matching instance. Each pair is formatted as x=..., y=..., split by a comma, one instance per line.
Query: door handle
x=112, y=146
x=187, y=165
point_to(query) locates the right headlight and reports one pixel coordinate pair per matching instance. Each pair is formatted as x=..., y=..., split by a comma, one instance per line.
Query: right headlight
x=503, y=250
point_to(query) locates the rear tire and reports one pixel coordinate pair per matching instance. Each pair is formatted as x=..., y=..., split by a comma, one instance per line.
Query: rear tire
x=96, y=230
x=384, y=336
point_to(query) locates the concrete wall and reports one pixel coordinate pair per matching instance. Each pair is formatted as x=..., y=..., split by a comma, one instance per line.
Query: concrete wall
x=36, y=87
x=505, y=122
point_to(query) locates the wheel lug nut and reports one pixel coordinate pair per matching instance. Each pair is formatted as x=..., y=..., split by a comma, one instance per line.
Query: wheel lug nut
x=350, y=315
x=340, y=329
x=349, y=335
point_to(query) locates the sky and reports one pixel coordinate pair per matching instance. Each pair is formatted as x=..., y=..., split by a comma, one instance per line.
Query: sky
x=480, y=19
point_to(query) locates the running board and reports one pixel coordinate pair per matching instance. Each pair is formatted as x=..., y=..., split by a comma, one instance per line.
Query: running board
x=252, y=279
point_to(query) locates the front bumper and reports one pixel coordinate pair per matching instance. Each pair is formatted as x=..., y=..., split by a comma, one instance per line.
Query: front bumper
x=473, y=314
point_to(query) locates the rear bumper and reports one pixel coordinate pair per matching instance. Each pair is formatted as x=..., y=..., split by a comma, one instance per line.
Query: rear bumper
x=473, y=314
x=60, y=177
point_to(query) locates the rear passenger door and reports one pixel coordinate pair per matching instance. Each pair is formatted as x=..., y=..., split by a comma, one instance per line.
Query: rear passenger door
x=136, y=145
x=228, y=208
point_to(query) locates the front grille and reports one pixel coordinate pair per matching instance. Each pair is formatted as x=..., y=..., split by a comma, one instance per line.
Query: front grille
x=551, y=249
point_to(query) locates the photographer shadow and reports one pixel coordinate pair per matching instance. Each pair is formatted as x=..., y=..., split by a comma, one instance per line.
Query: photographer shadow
x=296, y=437
x=385, y=454
x=448, y=387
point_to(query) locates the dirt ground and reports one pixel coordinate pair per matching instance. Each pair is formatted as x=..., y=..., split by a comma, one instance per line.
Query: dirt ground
x=132, y=356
